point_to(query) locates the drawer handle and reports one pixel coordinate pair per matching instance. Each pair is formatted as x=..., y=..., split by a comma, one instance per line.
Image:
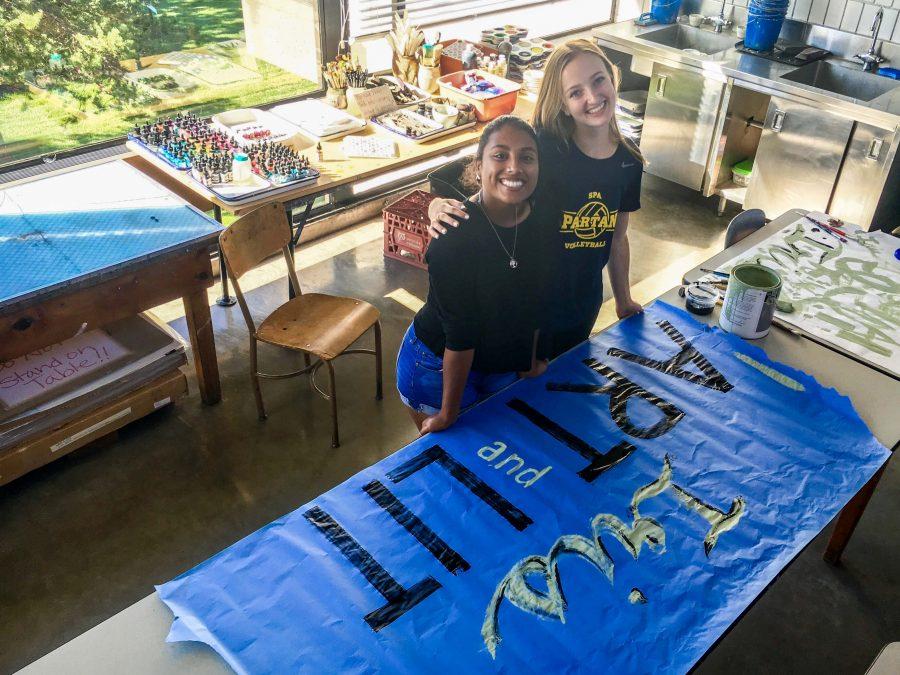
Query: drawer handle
x=661, y=86
x=875, y=149
x=778, y=120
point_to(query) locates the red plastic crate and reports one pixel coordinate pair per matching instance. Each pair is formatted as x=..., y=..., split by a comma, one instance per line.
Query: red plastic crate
x=406, y=228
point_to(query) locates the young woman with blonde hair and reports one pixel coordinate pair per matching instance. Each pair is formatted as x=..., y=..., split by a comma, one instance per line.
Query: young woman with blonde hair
x=590, y=183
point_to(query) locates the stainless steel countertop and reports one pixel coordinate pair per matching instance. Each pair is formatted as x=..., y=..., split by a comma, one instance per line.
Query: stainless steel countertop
x=752, y=72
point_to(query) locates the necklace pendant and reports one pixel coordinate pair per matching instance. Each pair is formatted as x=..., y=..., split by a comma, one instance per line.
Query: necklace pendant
x=513, y=263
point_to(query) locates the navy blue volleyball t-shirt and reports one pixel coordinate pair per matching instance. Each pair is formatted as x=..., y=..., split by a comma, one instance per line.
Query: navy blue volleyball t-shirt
x=580, y=199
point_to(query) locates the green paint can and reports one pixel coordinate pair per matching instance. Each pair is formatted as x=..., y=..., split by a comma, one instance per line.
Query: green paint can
x=750, y=300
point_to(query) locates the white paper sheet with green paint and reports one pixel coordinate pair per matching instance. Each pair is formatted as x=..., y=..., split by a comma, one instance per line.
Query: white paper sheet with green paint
x=845, y=293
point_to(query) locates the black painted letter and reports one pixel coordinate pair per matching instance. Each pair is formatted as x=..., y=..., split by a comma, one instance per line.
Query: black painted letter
x=449, y=558
x=599, y=461
x=487, y=494
x=711, y=377
x=620, y=389
x=400, y=599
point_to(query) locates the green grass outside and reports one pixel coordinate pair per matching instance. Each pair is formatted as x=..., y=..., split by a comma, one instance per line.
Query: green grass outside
x=36, y=124
x=199, y=22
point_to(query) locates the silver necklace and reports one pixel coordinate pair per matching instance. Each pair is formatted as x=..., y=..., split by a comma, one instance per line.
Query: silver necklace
x=513, y=263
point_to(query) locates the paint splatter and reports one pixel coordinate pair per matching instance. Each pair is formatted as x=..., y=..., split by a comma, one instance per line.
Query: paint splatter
x=636, y=597
x=780, y=378
x=517, y=587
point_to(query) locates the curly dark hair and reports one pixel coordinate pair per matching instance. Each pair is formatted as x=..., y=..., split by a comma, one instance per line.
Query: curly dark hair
x=469, y=178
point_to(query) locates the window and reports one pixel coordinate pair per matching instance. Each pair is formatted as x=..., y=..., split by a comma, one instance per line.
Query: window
x=374, y=16
x=462, y=17
x=77, y=72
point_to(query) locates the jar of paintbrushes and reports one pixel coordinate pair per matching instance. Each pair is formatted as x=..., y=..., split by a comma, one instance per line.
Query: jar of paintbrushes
x=405, y=40
x=357, y=76
x=335, y=74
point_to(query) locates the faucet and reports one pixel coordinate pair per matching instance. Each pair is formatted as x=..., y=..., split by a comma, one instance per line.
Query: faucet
x=872, y=58
x=719, y=22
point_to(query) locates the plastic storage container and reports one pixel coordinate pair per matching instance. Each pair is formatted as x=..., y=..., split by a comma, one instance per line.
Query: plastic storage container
x=487, y=105
x=741, y=172
x=406, y=228
x=764, y=21
x=665, y=11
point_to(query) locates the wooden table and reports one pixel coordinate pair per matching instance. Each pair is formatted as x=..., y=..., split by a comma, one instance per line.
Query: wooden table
x=336, y=171
x=94, y=245
x=874, y=393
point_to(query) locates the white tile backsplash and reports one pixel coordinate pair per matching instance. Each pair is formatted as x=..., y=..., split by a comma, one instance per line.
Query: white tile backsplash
x=852, y=12
x=801, y=10
x=817, y=11
x=835, y=13
x=855, y=16
x=888, y=24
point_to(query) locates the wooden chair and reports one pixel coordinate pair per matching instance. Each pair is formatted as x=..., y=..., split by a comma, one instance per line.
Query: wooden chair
x=323, y=326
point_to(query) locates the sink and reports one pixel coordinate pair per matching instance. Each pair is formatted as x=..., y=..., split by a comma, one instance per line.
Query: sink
x=686, y=37
x=844, y=81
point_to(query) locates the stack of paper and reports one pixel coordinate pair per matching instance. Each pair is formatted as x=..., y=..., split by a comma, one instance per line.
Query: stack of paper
x=48, y=388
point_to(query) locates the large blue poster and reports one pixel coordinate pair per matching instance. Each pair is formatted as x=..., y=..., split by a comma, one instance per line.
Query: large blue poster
x=615, y=515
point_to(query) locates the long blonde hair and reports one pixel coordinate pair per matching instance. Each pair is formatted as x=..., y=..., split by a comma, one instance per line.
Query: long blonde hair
x=550, y=112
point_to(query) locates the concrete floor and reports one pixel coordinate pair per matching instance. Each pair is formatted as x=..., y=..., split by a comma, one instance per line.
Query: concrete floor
x=90, y=534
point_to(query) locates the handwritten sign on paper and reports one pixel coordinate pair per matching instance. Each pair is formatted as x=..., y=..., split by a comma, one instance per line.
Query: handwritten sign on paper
x=374, y=102
x=46, y=370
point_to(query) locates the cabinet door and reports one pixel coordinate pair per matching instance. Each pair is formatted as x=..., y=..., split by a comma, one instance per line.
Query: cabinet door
x=679, y=122
x=863, y=175
x=798, y=158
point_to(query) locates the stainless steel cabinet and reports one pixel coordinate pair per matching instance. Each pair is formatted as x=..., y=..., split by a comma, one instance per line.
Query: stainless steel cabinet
x=862, y=177
x=679, y=124
x=798, y=158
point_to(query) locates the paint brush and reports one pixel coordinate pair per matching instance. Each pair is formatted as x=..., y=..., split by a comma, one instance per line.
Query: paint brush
x=715, y=272
x=829, y=228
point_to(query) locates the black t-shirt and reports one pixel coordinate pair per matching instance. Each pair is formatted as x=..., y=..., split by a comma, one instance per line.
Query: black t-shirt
x=580, y=199
x=477, y=301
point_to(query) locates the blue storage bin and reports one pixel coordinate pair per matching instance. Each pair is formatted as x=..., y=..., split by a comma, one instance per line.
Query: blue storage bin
x=665, y=11
x=762, y=30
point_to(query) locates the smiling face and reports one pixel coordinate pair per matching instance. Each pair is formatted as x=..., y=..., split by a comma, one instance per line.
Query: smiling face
x=589, y=94
x=509, y=166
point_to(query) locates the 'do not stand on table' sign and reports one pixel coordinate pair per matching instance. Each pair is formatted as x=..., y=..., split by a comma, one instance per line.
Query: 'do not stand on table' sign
x=614, y=515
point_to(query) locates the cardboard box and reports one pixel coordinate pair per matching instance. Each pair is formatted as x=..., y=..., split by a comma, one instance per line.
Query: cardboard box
x=37, y=452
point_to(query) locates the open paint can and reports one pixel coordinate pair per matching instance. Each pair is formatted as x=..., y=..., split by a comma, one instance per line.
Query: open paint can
x=750, y=300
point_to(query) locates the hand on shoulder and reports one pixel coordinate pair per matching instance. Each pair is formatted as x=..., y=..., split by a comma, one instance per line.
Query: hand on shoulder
x=443, y=213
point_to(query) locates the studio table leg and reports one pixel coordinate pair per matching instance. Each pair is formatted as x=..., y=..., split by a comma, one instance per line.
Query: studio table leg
x=848, y=519
x=203, y=344
x=225, y=300
x=297, y=225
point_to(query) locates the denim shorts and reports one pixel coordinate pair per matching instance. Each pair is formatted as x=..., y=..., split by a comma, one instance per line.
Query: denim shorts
x=420, y=378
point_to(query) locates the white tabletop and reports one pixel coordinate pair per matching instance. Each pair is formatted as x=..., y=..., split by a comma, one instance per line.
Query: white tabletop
x=134, y=640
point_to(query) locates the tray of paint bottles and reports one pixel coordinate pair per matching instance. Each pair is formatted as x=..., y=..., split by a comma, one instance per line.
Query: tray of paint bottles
x=188, y=143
